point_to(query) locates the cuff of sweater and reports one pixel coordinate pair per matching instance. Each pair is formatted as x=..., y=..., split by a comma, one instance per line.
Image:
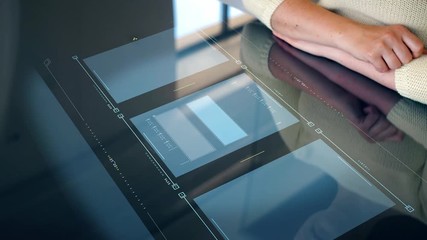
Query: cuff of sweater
x=410, y=117
x=262, y=9
x=411, y=80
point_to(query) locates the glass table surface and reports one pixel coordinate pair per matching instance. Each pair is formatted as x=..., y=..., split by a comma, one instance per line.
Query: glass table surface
x=190, y=120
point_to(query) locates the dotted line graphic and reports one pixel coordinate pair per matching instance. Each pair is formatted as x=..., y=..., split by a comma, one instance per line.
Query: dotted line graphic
x=114, y=165
x=304, y=85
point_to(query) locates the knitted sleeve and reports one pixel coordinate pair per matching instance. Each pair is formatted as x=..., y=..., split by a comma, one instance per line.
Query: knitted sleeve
x=411, y=117
x=262, y=9
x=411, y=80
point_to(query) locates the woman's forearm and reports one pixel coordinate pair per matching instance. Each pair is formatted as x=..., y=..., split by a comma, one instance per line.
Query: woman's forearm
x=385, y=54
x=361, y=87
x=386, y=79
x=307, y=21
x=385, y=47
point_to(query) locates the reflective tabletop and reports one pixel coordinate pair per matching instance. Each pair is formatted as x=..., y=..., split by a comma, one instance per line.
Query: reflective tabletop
x=188, y=119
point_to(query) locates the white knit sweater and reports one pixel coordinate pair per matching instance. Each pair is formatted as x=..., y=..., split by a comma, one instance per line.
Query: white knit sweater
x=411, y=79
x=407, y=115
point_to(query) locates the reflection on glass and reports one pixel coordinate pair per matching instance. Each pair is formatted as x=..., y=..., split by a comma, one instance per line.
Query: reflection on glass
x=149, y=63
x=307, y=194
x=77, y=168
x=202, y=127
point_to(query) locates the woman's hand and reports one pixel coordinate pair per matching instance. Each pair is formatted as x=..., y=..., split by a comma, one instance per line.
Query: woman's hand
x=362, y=87
x=386, y=79
x=385, y=47
x=366, y=118
x=374, y=126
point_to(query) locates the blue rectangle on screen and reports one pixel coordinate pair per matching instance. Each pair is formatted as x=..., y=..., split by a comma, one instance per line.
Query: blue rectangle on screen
x=218, y=122
x=198, y=147
x=310, y=192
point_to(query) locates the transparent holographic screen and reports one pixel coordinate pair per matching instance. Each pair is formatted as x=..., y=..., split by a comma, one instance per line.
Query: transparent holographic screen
x=147, y=64
x=307, y=193
x=195, y=130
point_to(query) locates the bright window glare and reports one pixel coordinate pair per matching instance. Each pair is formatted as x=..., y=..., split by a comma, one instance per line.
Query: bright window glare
x=191, y=15
x=234, y=12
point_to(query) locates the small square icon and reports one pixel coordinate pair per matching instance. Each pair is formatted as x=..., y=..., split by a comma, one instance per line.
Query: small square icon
x=182, y=195
x=409, y=208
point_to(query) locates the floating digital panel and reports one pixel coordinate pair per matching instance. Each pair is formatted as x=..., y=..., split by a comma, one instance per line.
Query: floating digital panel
x=147, y=64
x=202, y=127
x=309, y=193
